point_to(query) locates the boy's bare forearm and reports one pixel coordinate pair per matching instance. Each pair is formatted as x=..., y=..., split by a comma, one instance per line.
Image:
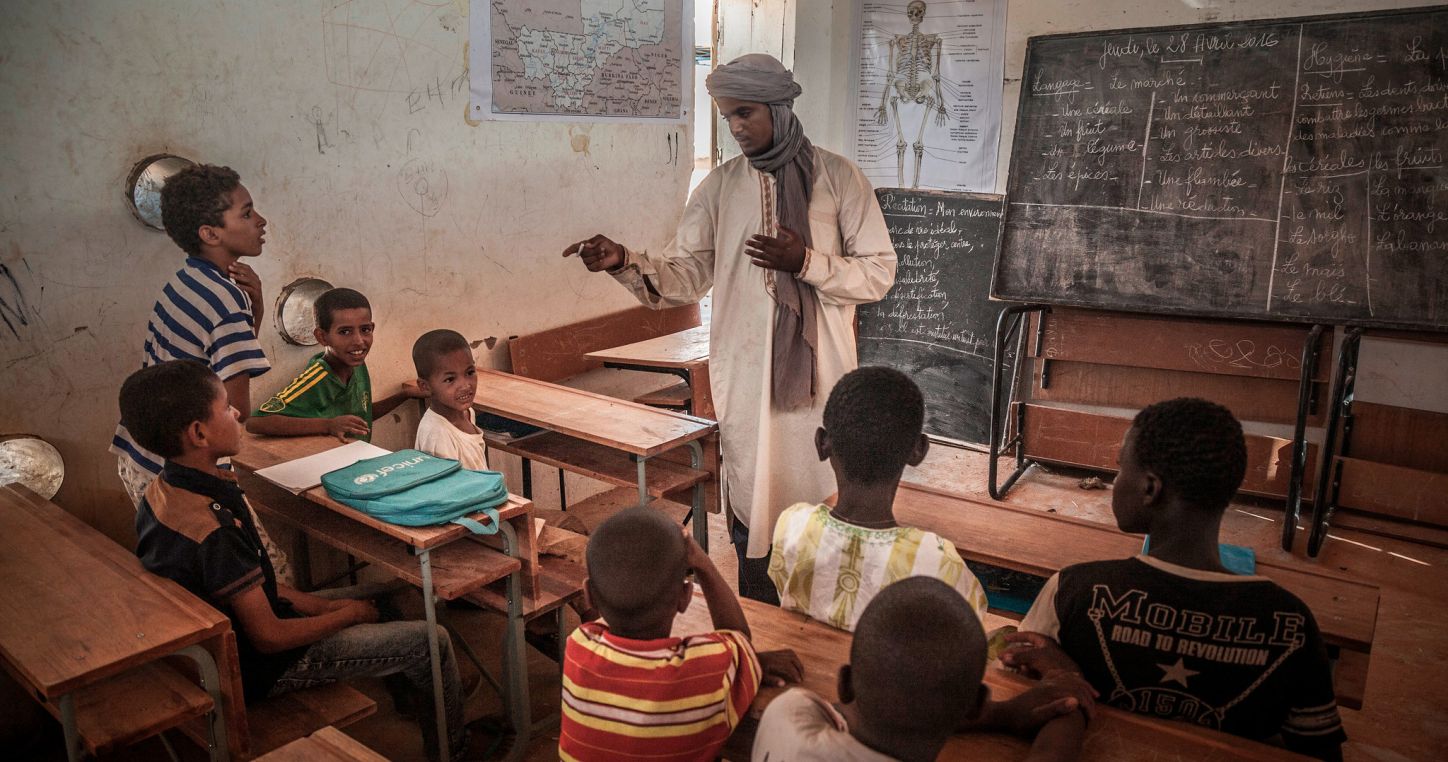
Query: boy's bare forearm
x=286, y=634
x=724, y=606
x=286, y=426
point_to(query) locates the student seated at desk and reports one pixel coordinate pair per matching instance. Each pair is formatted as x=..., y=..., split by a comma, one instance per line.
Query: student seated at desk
x=630, y=690
x=333, y=396
x=829, y=563
x=1172, y=633
x=914, y=680
x=448, y=376
x=194, y=527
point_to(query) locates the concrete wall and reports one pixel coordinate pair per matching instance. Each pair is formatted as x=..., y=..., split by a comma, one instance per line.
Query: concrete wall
x=332, y=112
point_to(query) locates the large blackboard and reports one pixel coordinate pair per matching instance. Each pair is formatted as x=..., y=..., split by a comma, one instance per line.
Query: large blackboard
x=937, y=323
x=1287, y=169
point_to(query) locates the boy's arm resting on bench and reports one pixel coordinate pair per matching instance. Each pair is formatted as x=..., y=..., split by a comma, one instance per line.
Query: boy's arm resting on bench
x=343, y=427
x=270, y=635
x=1056, y=711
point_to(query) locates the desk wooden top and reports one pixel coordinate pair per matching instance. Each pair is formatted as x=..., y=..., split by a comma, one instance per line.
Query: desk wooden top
x=1113, y=735
x=1016, y=538
x=628, y=426
x=76, y=608
x=258, y=452
x=328, y=743
x=675, y=350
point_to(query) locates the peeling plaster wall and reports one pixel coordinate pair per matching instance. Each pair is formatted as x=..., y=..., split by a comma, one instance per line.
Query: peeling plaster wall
x=346, y=122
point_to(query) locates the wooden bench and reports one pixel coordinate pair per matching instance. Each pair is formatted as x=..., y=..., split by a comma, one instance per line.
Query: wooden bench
x=561, y=353
x=328, y=743
x=1392, y=475
x=605, y=438
x=1040, y=544
x=1114, y=735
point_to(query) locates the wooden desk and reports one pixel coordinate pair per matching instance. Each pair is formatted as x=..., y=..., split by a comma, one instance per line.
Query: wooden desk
x=428, y=557
x=674, y=351
x=1113, y=735
x=328, y=743
x=1040, y=544
x=609, y=423
x=77, y=610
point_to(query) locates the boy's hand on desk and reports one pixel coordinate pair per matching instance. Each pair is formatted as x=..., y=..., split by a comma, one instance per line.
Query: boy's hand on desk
x=345, y=427
x=780, y=667
x=1036, y=655
x=1060, y=694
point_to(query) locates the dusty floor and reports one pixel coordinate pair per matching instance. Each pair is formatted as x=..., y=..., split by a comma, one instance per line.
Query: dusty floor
x=1403, y=716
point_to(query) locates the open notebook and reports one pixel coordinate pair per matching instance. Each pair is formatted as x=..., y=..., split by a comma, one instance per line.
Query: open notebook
x=298, y=476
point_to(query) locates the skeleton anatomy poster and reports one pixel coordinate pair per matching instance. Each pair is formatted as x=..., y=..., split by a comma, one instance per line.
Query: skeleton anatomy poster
x=927, y=95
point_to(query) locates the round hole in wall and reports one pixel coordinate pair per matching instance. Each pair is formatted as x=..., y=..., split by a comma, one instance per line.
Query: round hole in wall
x=143, y=187
x=33, y=462
x=296, y=313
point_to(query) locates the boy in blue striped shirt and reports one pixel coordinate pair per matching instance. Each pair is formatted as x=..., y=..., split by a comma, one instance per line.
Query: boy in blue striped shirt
x=210, y=310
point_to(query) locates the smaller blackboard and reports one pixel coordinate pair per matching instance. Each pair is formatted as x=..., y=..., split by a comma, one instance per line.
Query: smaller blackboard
x=937, y=323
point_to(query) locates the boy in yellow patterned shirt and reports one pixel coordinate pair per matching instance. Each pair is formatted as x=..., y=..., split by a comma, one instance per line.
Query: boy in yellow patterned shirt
x=830, y=563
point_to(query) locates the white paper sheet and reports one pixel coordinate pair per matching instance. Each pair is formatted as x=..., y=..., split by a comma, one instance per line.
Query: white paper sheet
x=298, y=476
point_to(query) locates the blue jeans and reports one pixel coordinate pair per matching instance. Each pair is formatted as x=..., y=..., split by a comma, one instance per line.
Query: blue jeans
x=387, y=649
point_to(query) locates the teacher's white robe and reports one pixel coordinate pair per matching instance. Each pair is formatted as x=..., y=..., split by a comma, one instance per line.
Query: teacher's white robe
x=769, y=459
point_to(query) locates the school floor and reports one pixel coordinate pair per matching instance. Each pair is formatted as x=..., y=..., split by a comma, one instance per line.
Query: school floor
x=1403, y=716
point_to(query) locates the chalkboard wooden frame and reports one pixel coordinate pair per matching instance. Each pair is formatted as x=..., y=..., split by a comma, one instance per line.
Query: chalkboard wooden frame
x=1004, y=277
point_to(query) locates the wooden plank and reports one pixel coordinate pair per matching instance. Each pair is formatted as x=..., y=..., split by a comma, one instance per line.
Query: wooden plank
x=1091, y=440
x=135, y=705
x=58, y=641
x=279, y=720
x=675, y=350
x=1041, y=544
x=1224, y=347
x=1400, y=436
x=328, y=743
x=457, y=568
x=1250, y=399
x=600, y=462
x=1384, y=527
x=561, y=581
x=1404, y=493
x=559, y=353
x=677, y=396
x=1350, y=678
x=619, y=424
x=1114, y=735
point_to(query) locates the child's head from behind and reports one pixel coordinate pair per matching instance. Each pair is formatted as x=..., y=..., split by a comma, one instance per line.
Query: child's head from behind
x=872, y=426
x=916, y=661
x=637, y=570
x=178, y=408
x=445, y=369
x=344, y=325
x=206, y=208
x=1187, y=451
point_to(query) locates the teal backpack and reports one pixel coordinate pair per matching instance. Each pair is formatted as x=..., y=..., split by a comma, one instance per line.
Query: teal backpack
x=412, y=488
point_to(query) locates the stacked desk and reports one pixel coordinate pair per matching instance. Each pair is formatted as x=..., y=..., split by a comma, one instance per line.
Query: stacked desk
x=430, y=558
x=84, y=627
x=684, y=354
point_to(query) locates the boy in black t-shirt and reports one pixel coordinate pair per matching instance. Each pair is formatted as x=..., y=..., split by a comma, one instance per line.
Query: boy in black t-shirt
x=193, y=527
x=1172, y=633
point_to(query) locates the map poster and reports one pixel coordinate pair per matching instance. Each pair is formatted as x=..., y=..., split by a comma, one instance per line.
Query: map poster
x=926, y=104
x=582, y=60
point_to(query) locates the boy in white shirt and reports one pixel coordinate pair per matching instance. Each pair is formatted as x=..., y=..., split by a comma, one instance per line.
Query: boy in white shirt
x=447, y=375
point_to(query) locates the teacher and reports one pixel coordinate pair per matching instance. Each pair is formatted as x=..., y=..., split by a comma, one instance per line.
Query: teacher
x=791, y=238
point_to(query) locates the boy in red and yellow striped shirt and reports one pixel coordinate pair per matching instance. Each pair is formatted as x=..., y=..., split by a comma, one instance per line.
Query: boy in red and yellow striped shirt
x=630, y=691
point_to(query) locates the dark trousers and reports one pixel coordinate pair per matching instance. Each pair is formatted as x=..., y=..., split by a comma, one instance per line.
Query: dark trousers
x=754, y=581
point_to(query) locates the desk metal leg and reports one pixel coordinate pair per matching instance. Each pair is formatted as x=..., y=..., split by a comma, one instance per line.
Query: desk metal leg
x=73, y=751
x=700, y=518
x=424, y=560
x=211, y=681
x=515, y=654
x=1007, y=323
x=1305, y=399
x=643, y=481
x=1325, y=502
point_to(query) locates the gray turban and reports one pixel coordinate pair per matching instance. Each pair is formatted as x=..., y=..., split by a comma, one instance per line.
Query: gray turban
x=762, y=78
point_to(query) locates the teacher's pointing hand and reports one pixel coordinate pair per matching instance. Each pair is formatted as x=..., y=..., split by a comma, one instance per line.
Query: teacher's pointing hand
x=598, y=253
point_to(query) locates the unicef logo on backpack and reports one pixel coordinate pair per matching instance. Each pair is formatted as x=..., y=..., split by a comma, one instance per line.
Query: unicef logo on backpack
x=365, y=478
